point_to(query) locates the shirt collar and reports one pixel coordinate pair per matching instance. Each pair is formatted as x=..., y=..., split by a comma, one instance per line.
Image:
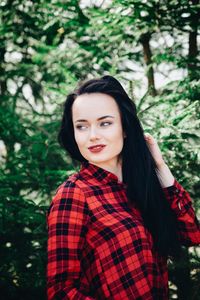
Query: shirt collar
x=100, y=174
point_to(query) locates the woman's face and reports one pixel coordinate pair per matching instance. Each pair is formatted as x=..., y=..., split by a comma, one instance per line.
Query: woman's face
x=97, y=122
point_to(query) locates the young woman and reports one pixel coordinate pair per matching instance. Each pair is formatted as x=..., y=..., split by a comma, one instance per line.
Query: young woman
x=113, y=225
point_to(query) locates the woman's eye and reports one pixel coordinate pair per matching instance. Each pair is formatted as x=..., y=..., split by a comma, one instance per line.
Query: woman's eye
x=102, y=124
x=106, y=123
x=80, y=127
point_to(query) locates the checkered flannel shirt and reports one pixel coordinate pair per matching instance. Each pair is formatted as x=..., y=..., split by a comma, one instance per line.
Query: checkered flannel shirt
x=98, y=247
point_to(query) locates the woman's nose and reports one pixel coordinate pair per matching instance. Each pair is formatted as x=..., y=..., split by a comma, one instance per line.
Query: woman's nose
x=94, y=134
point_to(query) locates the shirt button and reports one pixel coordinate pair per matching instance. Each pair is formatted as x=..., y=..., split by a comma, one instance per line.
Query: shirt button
x=179, y=205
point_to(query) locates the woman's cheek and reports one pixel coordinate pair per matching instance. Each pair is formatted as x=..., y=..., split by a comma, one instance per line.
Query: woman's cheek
x=77, y=138
x=80, y=138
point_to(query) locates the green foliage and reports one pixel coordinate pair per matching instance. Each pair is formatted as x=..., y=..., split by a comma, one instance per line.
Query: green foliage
x=45, y=48
x=23, y=248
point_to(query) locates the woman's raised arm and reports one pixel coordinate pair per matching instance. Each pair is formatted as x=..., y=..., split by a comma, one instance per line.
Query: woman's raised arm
x=181, y=204
x=178, y=198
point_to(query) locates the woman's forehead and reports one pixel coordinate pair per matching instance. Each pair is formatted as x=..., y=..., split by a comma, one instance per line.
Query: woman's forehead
x=94, y=105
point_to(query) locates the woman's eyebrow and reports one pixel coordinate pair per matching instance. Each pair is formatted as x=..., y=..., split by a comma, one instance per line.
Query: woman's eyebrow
x=101, y=118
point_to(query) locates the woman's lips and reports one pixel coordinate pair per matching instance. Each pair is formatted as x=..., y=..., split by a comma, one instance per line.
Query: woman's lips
x=96, y=149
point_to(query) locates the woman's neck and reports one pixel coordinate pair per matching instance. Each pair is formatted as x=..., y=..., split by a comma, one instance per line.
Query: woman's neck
x=115, y=169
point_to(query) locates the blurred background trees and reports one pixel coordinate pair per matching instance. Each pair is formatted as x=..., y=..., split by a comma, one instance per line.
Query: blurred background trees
x=46, y=47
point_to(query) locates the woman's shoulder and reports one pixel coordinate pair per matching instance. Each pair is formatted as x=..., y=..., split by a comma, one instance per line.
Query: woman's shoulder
x=70, y=183
x=74, y=185
x=68, y=191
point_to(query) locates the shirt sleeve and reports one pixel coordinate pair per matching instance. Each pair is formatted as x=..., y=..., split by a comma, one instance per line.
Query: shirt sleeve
x=181, y=204
x=67, y=220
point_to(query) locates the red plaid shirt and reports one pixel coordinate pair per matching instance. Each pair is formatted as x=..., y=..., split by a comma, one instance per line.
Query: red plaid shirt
x=98, y=247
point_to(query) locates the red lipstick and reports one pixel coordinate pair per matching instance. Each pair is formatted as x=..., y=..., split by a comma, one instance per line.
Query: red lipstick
x=96, y=148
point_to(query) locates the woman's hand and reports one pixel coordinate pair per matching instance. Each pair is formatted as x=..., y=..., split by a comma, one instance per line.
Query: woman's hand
x=154, y=149
x=163, y=172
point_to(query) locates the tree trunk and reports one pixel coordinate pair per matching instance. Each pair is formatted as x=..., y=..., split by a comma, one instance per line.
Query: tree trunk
x=145, y=39
x=3, y=85
x=193, y=48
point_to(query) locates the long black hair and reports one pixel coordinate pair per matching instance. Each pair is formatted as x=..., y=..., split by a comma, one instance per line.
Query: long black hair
x=138, y=165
